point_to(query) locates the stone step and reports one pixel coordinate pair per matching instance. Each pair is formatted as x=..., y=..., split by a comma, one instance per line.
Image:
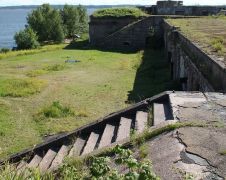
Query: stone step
x=107, y=136
x=141, y=121
x=22, y=165
x=47, y=160
x=35, y=161
x=59, y=157
x=161, y=113
x=124, y=129
x=77, y=147
x=91, y=143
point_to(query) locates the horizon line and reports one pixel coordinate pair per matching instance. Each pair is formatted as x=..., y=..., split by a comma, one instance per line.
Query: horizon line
x=22, y=5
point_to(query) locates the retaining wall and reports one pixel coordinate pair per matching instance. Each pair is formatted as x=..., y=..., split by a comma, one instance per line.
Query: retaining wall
x=196, y=69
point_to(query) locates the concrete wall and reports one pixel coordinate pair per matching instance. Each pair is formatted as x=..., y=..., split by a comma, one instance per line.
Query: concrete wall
x=188, y=10
x=132, y=36
x=195, y=69
x=99, y=28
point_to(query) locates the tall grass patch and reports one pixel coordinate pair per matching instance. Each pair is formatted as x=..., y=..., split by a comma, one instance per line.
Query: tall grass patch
x=218, y=45
x=45, y=70
x=54, y=67
x=36, y=72
x=55, y=110
x=20, y=87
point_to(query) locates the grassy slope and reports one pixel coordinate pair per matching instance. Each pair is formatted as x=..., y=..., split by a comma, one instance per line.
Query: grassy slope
x=100, y=84
x=96, y=86
x=208, y=32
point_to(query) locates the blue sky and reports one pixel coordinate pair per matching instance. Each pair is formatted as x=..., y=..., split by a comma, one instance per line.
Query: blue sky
x=105, y=2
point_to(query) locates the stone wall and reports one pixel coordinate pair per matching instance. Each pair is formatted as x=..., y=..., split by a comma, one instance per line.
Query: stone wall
x=188, y=10
x=131, y=37
x=99, y=28
x=196, y=70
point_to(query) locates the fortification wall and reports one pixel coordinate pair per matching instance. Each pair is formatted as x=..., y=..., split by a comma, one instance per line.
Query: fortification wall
x=133, y=36
x=195, y=69
x=99, y=28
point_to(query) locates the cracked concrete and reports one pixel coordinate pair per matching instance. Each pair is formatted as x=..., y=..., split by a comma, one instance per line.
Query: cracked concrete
x=199, y=106
x=193, y=151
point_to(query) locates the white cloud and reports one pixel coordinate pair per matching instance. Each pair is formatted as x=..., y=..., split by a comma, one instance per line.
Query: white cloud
x=105, y=2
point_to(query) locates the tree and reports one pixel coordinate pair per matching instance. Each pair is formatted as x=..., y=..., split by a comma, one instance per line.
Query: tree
x=83, y=19
x=47, y=22
x=75, y=20
x=26, y=39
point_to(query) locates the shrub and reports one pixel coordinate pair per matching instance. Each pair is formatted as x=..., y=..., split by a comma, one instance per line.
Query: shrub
x=26, y=39
x=4, y=50
x=119, y=12
x=20, y=87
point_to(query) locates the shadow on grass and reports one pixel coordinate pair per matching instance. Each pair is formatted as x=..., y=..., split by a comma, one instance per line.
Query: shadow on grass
x=84, y=45
x=152, y=77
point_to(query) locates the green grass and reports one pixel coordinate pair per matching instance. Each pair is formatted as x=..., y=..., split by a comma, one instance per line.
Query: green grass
x=55, y=110
x=36, y=72
x=6, y=54
x=119, y=12
x=208, y=32
x=101, y=83
x=92, y=88
x=20, y=87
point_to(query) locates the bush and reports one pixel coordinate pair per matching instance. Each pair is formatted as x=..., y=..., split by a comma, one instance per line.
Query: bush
x=4, y=50
x=119, y=12
x=26, y=39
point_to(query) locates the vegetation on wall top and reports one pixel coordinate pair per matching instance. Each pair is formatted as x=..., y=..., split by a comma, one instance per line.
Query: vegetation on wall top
x=119, y=12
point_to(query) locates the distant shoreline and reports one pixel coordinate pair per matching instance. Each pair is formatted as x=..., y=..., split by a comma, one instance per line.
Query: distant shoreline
x=61, y=6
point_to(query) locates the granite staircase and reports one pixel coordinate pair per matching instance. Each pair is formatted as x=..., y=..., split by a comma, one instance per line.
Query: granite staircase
x=109, y=130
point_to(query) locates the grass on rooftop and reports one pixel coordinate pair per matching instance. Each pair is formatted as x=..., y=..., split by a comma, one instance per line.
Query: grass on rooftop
x=208, y=32
x=119, y=12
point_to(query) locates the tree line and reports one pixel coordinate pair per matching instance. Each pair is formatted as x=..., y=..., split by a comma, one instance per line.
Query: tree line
x=46, y=24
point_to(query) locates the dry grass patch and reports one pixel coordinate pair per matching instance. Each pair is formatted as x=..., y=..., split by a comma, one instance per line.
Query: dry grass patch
x=20, y=87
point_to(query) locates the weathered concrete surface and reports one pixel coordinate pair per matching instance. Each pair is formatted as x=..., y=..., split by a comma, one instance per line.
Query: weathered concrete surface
x=199, y=106
x=208, y=144
x=189, y=151
x=195, y=151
